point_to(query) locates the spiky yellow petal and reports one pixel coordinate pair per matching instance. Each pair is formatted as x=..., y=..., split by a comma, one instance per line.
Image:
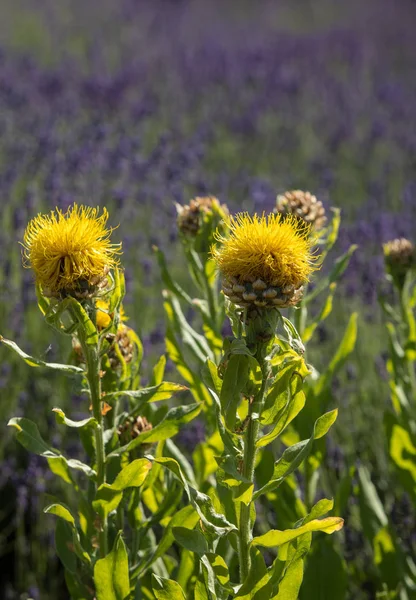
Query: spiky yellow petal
x=65, y=249
x=274, y=249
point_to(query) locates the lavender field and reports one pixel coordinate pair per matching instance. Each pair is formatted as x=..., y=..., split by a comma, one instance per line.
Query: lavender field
x=137, y=106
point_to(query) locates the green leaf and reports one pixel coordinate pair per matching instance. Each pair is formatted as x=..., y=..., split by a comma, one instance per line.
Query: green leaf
x=403, y=453
x=76, y=588
x=296, y=454
x=257, y=585
x=235, y=378
x=43, y=302
x=173, y=451
x=167, y=279
x=209, y=578
x=118, y=290
x=106, y=500
x=175, y=354
x=159, y=371
x=345, y=348
x=77, y=465
x=274, y=537
x=193, y=341
x=60, y=511
x=325, y=574
x=211, y=377
x=296, y=402
x=64, y=542
x=186, y=517
x=80, y=314
x=68, y=541
x=186, y=568
x=35, y=362
x=333, y=229
x=214, y=522
x=133, y=475
x=340, y=264
x=166, y=589
x=111, y=574
x=219, y=566
x=291, y=582
x=62, y=419
x=108, y=496
x=200, y=591
x=59, y=467
x=28, y=435
x=168, y=427
x=318, y=510
x=191, y=539
x=324, y=313
x=372, y=512
x=156, y=393
x=278, y=396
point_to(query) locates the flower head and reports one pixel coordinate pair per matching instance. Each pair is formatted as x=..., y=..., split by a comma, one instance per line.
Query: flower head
x=304, y=205
x=400, y=257
x=70, y=252
x=191, y=216
x=265, y=260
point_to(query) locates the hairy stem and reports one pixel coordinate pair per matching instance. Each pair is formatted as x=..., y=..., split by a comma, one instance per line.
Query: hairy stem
x=250, y=451
x=93, y=362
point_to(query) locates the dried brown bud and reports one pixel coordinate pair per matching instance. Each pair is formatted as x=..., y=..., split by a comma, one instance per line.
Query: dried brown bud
x=132, y=428
x=304, y=205
x=190, y=216
x=124, y=345
x=400, y=257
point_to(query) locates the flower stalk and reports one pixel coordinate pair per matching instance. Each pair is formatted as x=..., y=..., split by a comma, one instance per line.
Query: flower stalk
x=250, y=451
x=93, y=363
x=260, y=335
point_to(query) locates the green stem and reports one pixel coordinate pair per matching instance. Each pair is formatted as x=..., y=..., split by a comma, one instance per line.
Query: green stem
x=245, y=530
x=93, y=362
x=300, y=314
x=250, y=451
x=93, y=375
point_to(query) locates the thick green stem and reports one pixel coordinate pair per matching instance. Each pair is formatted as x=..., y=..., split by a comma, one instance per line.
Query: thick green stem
x=93, y=375
x=245, y=528
x=93, y=361
x=250, y=451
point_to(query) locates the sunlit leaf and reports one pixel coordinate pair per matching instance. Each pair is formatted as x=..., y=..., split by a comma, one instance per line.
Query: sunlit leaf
x=274, y=537
x=168, y=427
x=111, y=574
x=62, y=419
x=166, y=589
x=35, y=362
x=60, y=511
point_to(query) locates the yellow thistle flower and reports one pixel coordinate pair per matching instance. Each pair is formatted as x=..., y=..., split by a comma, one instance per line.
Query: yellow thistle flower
x=68, y=251
x=272, y=254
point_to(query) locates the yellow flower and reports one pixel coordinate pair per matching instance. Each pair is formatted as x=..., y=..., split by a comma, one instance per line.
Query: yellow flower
x=68, y=251
x=265, y=260
x=103, y=317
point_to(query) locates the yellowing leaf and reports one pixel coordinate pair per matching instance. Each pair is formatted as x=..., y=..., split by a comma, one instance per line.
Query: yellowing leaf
x=274, y=537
